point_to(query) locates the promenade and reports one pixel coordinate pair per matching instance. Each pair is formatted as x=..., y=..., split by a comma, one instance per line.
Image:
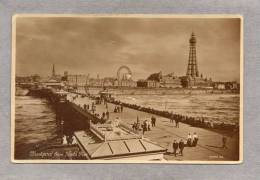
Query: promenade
x=209, y=146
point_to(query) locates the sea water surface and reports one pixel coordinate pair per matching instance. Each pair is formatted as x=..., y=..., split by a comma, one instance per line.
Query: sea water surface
x=216, y=107
x=35, y=122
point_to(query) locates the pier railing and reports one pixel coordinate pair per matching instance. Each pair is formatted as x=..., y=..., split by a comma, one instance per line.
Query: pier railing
x=96, y=131
x=193, y=121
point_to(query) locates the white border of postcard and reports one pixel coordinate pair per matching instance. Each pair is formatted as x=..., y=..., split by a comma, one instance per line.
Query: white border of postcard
x=126, y=16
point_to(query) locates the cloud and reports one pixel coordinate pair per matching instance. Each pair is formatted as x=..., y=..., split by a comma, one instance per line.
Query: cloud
x=147, y=45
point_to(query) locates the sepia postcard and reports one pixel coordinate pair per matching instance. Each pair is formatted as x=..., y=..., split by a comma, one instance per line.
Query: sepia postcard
x=127, y=89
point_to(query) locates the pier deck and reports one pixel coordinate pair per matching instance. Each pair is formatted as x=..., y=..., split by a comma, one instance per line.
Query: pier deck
x=209, y=145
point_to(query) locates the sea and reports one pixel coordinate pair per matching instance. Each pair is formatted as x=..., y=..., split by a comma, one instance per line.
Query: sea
x=215, y=107
x=35, y=123
x=35, y=118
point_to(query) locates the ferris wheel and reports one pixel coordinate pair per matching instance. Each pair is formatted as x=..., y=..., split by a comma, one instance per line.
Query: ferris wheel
x=124, y=73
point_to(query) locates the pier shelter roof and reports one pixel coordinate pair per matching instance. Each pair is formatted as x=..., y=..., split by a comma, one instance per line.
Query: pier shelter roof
x=119, y=148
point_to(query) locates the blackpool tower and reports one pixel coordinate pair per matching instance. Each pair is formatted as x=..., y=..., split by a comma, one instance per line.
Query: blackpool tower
x=192, y=69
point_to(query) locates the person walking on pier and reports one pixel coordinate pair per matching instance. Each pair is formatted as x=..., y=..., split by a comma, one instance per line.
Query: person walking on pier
x=181, y=147
x=93, y=107
x=103, y=117
x=153, y=121
x=64, y=140
x=189, y=140
x=117, y=109
x=117, y=122
x=224, y=142
x=107, y=114
x=195, y=139
x=134, y=126
x=67, y=140
x=177, y=123
x=175, y=147
x=148, y=125
x=171, y=119
x=137, y=124
x=144, y=126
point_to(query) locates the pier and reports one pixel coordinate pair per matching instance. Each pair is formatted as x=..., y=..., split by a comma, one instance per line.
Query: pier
x=209, y=147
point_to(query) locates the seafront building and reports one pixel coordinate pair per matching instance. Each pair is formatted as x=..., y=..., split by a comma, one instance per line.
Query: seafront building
x=147, y=83
x=54, y=81
x=226, y=85
x=160, y=80
x=76, y=80
x=123, y=79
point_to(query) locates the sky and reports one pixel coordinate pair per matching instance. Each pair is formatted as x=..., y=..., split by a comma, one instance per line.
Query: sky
x=100, y=45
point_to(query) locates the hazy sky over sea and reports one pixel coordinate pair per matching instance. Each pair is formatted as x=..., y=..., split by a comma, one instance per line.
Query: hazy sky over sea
x=146, y=45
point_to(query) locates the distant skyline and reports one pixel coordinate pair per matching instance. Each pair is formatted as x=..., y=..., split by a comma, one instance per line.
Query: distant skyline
x=100, y=45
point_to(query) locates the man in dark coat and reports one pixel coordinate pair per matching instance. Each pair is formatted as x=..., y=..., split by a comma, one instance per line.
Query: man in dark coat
x=181, y=146
x=153, y=121
x=175, y=147
x=195, y=139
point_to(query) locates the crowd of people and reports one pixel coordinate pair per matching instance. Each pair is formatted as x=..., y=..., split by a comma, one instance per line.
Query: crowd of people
x=91, y=108
x=194, y=121
x=192, y=141
x=68, y=140
x=118, y=109
x=177, y=122
x=178, y=145
x=146, y=125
